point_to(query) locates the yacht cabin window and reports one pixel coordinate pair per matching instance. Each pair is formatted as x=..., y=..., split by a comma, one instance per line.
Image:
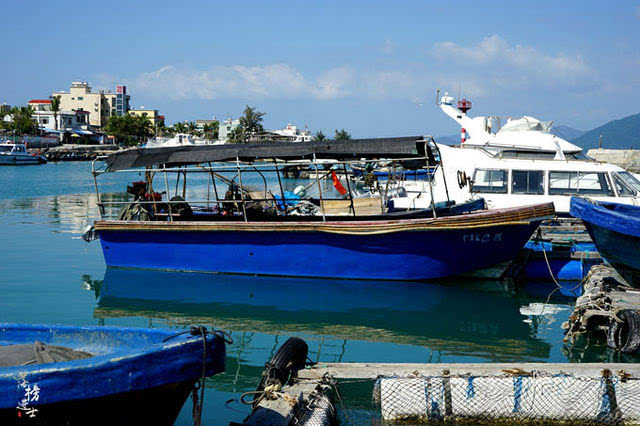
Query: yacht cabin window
x=527, y=182
x=587, y=183
x=630, y=179
x=624, y=190
x=5, y=148
x=487, y=180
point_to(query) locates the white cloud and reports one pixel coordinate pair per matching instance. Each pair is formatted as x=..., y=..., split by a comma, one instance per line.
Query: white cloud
x=491, y=66
x=497, y=63
x=239, y=81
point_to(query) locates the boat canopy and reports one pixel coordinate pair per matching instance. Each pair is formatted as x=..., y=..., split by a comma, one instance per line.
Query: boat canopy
x=397, y=147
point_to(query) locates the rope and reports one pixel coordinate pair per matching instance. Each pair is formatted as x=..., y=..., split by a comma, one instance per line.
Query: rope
x=270, y=392
x=198, y=405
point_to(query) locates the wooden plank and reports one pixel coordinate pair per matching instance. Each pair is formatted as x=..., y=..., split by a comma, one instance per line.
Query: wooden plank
x=375, y=370
x=363, y=206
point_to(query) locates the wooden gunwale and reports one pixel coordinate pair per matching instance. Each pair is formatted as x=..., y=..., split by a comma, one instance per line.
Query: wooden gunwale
x=503, y=217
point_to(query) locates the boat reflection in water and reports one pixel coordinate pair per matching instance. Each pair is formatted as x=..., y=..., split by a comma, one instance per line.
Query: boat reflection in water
x=457, y=322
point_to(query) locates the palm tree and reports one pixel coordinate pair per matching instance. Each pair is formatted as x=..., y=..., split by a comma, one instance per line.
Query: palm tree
x=180, y=127
x=319, y=136
x=342, y=135
x=55, y=107
x=192, y=128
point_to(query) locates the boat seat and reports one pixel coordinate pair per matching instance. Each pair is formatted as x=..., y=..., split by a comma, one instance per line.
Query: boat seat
x=38, y=353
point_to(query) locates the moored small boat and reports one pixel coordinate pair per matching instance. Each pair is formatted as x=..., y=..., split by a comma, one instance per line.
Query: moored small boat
x=615, y=230
x=251, y=232
x=411, y=249
x=101, y=375
x=16, y=154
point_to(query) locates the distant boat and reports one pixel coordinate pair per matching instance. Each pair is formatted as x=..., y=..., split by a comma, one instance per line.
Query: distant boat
x=615, y=230
x=16, y=154
x=180, y=139
x=101, y=375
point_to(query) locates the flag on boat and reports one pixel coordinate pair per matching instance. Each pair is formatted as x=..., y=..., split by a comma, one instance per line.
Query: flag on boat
x=337, y=184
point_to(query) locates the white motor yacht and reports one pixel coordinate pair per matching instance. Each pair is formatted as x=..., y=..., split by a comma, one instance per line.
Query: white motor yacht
x=17, y=154
x=521, y=163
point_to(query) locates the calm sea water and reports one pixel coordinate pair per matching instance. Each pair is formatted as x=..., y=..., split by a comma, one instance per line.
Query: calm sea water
x=48, y=274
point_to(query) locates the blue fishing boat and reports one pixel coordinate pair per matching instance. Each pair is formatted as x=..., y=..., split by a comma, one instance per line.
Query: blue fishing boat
x=102, y=375
x=245, y=233
x=615, y=230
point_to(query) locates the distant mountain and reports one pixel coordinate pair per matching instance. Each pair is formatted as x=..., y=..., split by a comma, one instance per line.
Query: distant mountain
x=617, y=134
x=566, y=132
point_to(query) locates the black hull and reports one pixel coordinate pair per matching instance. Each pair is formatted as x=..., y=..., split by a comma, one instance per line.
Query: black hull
x=155, y=406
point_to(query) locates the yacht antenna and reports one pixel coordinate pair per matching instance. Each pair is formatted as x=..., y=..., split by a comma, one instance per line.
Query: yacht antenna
x=600, y=142
x=438, y=97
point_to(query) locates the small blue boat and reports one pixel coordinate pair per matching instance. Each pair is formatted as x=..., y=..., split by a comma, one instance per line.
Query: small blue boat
x=615, y=230
x=101, y=375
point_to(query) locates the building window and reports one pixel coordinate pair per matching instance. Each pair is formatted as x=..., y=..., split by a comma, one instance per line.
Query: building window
x=494, y=181
x=45, y=121
x=568, y=183
x=527, y=182
x=81, y=98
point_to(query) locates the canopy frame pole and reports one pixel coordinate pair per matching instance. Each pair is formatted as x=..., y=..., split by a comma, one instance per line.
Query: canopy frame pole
x=344, y=169
x=215, y=187
x=166, y=182
x=315, y=164
x=244, y=208
x=284, y=201
x=444, y=178
x=433, y=200
x=178, y=179
x=184, y=185
x=95, y=184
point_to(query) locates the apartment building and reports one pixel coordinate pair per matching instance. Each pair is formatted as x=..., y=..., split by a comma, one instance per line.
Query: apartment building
x=100, y=105
x=152, y=115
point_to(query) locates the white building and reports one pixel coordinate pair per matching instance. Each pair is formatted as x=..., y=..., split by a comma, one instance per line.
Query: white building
x=293, y=131
x=40, y=104
x=72, y=122
x=227, y=127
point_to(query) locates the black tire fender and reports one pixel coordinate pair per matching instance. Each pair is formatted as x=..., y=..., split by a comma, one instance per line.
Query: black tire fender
x=625, y=335
x=290, y=357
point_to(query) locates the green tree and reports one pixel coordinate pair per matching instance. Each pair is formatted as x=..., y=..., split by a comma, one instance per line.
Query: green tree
x=192, y=128
x=342, y=135
x=180, y=127
x=319, y=136
x=250, y=124
x=55, y=107
x=128, y=129
x=211, y=130
x=22, y=122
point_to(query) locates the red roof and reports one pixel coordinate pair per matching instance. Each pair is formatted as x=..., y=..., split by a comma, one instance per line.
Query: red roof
x=82, y=112
x=40, y=101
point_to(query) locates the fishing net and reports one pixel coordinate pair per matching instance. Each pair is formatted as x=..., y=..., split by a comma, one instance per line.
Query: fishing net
x=537, y=398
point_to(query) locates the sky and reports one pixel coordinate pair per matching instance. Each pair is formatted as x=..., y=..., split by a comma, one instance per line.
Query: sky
x=370, y=67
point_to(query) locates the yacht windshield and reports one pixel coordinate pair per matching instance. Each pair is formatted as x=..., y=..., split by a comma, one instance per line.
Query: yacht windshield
x=630, y=179
x=5, y=148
